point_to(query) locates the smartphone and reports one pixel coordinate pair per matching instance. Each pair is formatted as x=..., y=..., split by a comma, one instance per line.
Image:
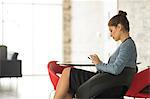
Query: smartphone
x=89, y=57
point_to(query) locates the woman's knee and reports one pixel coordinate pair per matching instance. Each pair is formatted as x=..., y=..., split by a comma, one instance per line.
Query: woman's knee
x=66, y=70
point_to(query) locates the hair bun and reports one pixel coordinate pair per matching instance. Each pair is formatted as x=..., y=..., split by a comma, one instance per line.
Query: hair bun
x=122, y=13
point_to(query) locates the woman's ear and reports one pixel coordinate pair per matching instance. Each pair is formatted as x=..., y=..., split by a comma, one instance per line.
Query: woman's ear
x=119, y=26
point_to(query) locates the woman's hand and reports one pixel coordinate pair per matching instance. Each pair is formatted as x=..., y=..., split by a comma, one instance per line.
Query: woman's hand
x=95, y=59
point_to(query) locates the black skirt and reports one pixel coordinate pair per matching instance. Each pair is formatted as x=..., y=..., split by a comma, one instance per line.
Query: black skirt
x=78, y=77
x=97, y=83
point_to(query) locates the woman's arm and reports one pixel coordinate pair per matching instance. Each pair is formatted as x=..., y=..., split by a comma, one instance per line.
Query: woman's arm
x=127, y=54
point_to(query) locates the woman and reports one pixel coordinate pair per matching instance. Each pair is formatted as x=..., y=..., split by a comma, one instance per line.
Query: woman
x=124, y=57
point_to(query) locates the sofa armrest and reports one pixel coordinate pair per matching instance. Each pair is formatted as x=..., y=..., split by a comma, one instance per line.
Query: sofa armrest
x=10, y=68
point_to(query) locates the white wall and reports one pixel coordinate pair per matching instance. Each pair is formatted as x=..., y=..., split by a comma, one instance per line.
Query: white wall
x=89, y=29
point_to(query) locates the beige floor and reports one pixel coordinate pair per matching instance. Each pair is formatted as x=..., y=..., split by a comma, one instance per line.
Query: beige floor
x=27, y=87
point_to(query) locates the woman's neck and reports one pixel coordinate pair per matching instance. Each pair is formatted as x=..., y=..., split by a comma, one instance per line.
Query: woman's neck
x=124, y=36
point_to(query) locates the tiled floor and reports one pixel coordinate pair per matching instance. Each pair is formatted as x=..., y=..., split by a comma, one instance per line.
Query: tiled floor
x=27, y=87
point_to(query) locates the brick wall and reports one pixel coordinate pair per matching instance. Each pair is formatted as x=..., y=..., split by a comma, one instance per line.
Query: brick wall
x=139, y=17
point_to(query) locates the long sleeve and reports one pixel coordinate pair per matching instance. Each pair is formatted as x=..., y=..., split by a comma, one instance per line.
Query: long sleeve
x=125, y=56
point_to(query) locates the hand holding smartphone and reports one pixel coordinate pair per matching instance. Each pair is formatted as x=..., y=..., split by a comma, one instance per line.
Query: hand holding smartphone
x=95, y=59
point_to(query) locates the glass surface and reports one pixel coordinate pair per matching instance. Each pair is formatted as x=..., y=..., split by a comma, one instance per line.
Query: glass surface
x=34, y=30
x=34, y=1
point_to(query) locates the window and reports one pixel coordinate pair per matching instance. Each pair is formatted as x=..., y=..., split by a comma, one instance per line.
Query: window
x=33, y=28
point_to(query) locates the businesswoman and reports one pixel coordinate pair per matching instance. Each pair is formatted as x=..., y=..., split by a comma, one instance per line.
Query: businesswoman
x=122, y=59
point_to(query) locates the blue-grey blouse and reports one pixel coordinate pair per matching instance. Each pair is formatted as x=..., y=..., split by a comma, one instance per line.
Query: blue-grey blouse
x=124, y=56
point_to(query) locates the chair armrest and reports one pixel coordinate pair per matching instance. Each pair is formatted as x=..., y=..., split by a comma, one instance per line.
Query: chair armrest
x=14, y=56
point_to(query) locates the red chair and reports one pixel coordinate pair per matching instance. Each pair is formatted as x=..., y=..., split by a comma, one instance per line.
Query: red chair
x=54, y=69
x=140, y=86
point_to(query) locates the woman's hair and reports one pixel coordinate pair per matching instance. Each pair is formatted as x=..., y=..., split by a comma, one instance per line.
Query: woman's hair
x=120, y=18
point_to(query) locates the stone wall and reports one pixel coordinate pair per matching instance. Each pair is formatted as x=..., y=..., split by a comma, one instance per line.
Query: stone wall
x=66, y=30
x=139, y=17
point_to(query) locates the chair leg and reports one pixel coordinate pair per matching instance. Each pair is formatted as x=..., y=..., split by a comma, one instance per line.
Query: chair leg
x=51, y=95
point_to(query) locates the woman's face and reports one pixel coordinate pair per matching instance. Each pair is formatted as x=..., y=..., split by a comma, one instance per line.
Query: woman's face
x=114, y=32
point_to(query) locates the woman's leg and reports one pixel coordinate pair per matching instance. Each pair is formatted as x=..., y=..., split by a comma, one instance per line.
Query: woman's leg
x=63, y=86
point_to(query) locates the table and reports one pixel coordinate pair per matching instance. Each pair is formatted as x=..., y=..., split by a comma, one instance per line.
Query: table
x=75, y=64
x=81, y=64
